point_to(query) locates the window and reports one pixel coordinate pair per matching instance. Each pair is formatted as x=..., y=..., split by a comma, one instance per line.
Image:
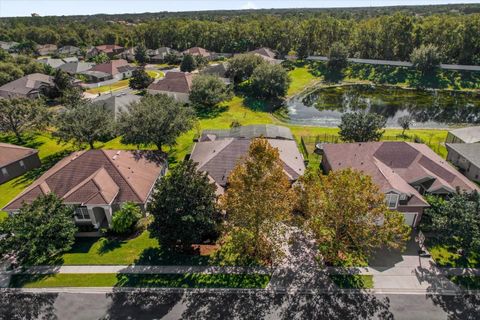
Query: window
x=403, y=197
x=81, y=213
x=22, y=164
x=5, y=172
x=391, y=200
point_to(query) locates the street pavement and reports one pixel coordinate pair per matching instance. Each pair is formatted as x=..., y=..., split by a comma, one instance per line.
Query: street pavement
x=235, y=304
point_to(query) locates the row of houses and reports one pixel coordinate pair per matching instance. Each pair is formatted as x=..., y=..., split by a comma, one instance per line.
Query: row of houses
x=97, y=182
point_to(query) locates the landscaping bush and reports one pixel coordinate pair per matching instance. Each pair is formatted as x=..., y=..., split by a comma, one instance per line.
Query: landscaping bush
x=125, y=219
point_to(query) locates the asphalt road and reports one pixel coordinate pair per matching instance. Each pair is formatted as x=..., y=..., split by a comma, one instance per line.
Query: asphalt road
x=235, y=305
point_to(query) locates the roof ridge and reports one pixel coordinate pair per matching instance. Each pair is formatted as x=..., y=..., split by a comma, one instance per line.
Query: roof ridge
x=121, y=174
x=214, y=154
x=82, y=183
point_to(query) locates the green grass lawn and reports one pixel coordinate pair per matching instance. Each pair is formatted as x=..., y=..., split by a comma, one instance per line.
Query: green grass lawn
x=447, y=256
x=348, y=281
x=155, y=74
x=121, y=84
x=466, y=282
x=301, y=78
x=192, y=280
x=142, y=250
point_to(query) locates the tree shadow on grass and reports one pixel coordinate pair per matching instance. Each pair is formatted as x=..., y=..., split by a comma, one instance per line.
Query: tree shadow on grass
x=159, y=256
x=256, y=104
x=211, y=112
x=109, y=244
x=29, y=140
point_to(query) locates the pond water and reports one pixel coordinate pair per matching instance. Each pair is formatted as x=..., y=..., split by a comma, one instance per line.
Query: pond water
x=429, y=108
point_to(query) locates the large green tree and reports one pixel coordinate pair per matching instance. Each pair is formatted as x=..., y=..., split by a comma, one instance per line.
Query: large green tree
x=141, y=54
x=20, y=114
x=269, y=81
x=208, y=91
x=184, y=207
x=337, y=57
x=188, y=63
x=156, y=119
x=361, y=127
x=84, y=123
x=346, y=213
x=241, y=66
x=426, y=58
x=40, y=231
x=258, y=203
x=140, y=79
x=455, y=220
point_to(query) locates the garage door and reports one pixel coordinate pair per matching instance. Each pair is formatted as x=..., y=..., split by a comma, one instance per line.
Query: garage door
x=409, y=218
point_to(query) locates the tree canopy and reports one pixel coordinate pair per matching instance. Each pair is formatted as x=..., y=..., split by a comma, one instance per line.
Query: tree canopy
x=426, y=58
x=84, y=123
x=337, y=57
x=269, y=81
x=20, y=114
x=140, y=79
x=208, y=91
x=347, y=214
x=361, y=127
x=141, y=54
x=258, y=202
x=188, y=63
x=184, y=207
x=455, y=220
x=241, y=66
x=156, y=119
x=39, y=232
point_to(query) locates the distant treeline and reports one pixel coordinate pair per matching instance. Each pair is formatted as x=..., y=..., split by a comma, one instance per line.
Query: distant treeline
x=375, y=33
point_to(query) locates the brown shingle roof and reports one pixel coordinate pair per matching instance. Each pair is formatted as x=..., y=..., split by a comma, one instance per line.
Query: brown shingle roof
x=10, y=153
x=112, y=67
x=197, y=51
x=108, y=48
x=397, y=165
x=97, y=177
x=219, y=157
x=174, y=82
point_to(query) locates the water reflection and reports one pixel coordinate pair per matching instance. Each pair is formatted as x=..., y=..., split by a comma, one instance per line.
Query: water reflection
x=429, y=109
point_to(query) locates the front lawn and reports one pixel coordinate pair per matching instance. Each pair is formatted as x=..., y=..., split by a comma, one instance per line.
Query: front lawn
x=155, y=74
x=142, y=250
x=466, y=282
x=352, y=281
x=192, y=280
x=447, y=256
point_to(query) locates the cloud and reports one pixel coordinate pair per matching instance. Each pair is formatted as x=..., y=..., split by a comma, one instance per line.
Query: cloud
x=249, y=5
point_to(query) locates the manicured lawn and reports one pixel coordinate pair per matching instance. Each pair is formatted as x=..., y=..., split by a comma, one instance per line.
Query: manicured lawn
x=447, y=256
x=142, y=250
x=191, y=280
x=122, y=84
x=301, y=78
x=467, y=282
x=155, y=74
x=348, y=281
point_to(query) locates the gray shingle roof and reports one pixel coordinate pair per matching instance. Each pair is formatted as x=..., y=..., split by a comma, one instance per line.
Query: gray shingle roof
x=76, y=67
x=470, y=151
x=25, y=85
x=468, y=135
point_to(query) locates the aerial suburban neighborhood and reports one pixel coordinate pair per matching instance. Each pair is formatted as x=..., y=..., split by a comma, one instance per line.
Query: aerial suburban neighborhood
x=240, y=160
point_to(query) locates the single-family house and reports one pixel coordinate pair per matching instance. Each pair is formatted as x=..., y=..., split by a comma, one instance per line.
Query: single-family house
x=128, y=54
x=69, y=51
x=73, y=68
x=46, y=49
x=158, y=55
x=219, y=69
x=197, y=51
x=464, y=135
x=110, y=50
x=116, y=103
x=466, y=157
x=267, y=55
x=97, y=182
x=217, y=152
x=16, y=160
x=404, y=171
x=30, y=86
x=116, y=69
x=174, y=84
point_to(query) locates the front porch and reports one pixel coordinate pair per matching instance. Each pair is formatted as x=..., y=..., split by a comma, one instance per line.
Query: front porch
x=99, y=217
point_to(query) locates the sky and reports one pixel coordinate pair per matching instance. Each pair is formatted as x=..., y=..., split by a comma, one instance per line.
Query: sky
x=9, y=8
